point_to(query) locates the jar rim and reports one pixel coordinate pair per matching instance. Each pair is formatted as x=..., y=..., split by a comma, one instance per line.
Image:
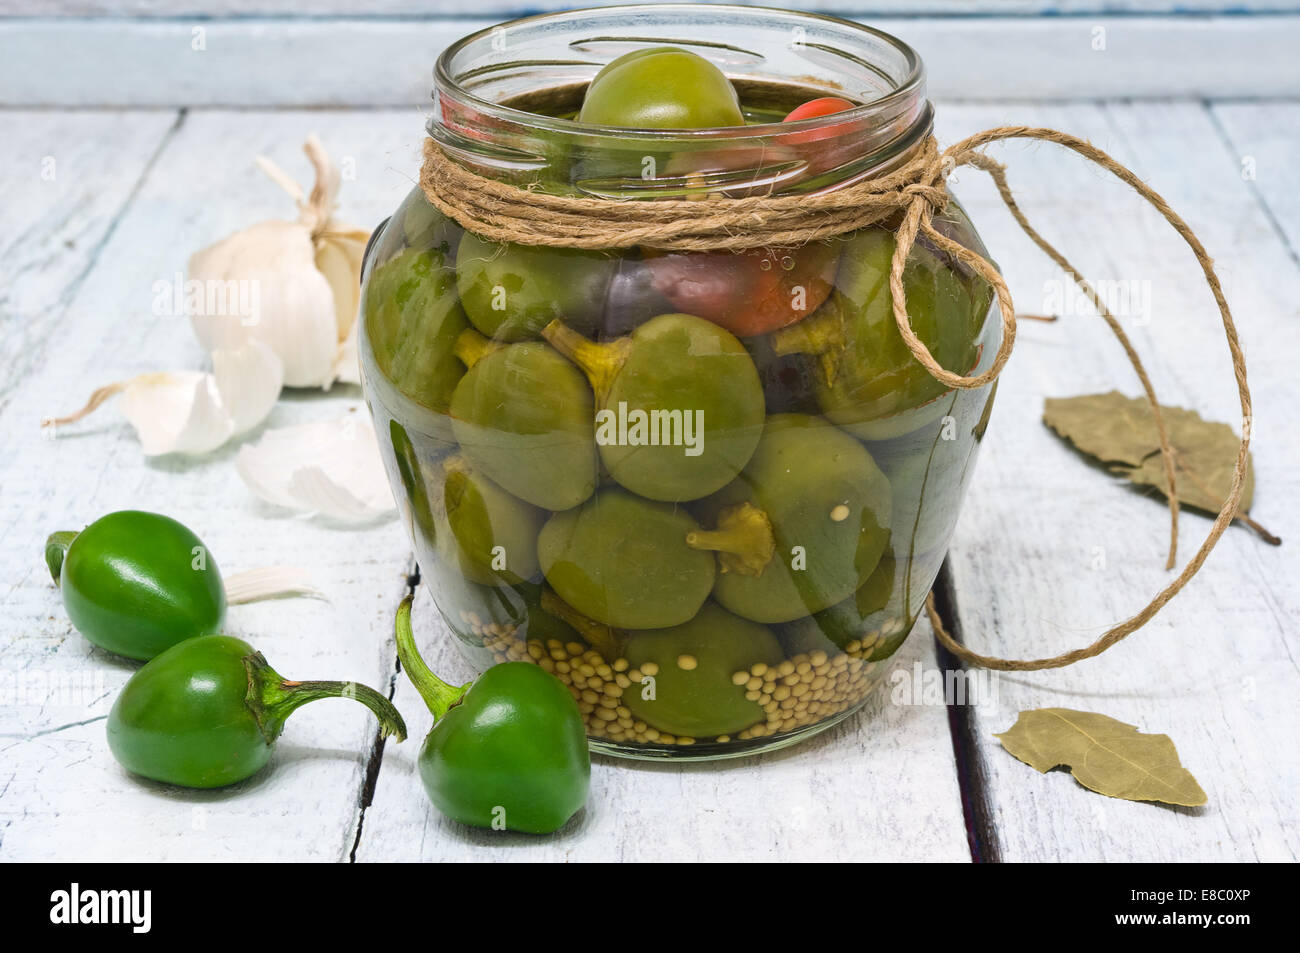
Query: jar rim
x=911, y=83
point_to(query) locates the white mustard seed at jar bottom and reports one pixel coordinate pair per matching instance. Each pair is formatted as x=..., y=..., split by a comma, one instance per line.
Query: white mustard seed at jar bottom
x=796, y=693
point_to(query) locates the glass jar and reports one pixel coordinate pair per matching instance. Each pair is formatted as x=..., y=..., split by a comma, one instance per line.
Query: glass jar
x=708, y=490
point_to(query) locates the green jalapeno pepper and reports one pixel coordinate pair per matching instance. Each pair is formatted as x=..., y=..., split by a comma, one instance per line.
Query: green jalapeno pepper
x=207, y=712
x=137, y=583
x=506, y=752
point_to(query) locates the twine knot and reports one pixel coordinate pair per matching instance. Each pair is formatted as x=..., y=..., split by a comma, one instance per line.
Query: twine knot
x=935, y=195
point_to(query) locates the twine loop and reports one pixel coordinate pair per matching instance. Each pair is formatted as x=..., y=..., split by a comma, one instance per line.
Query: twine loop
x=904, y=199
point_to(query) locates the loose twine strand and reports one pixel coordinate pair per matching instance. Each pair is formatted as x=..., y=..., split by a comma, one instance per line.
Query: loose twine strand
x=917, y=188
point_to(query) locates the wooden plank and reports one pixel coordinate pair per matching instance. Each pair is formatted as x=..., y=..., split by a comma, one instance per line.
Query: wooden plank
x=879, y=786
x=259, y=61
x=1049, y=551
x=61, y=794
x=61, y=192
x=1263, y=136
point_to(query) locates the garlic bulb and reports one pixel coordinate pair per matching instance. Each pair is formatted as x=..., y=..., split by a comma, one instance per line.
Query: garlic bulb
x=294, y=286
x=192, y=412
x=274, y=305
x=332, y=468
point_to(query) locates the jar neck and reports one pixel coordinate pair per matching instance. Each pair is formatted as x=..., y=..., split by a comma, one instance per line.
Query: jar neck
x=504, y=99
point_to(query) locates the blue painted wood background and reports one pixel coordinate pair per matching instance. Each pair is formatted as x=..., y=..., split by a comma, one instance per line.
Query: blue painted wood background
x=350, y=53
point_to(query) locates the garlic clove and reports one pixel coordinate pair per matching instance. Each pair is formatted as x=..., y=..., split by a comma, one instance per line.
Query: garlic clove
x=248, y=380
x=223, y=300
x=338, y=258
x=176, y=412
x=262, y=284
x=332, y=468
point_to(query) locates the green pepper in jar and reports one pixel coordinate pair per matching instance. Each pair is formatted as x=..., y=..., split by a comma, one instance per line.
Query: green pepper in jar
x=868, y=373
x=623, y=561
x=692, y=690
x=661, y=88
x=489, y=535
x=510, y=292
x=802, y=528
x=524, y=417
x=413, y=320
x=680, y=404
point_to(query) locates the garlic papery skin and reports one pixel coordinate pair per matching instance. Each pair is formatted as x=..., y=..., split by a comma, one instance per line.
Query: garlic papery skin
x=331, y=468
x=269, y=582
x=192, y=412
x=338, y=258
x=295, y=286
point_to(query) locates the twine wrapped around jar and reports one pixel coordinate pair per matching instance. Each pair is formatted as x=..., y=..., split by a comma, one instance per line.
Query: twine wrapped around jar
x=909, y=196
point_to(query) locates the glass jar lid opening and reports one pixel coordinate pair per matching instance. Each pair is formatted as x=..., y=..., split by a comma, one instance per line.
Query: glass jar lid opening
x=505, y=97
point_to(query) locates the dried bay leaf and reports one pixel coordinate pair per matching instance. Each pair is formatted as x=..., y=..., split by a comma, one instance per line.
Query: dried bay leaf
x=1111, y=427
x=1121, y=432
x=1104, y=755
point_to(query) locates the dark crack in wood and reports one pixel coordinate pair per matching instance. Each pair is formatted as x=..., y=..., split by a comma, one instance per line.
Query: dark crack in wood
x=972, y=779
x=376, y=759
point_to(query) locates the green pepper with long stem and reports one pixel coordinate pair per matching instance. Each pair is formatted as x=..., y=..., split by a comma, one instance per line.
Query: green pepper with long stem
x=506, y=752
x=207, y=712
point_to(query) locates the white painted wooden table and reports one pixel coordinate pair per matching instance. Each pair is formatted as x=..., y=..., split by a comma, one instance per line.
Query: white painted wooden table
x=1048, y=551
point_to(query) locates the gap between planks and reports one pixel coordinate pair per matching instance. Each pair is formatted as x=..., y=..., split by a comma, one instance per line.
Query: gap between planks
x=972, y=781
x=376, y=759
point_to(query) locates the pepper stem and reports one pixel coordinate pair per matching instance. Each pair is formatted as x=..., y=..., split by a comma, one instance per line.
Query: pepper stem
x=743, y=540
x=600, y=362
x=604, y=639
x=273, y=698
x=471, y=347
x=437, y=694
x=821, y=335
x=56, y=549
